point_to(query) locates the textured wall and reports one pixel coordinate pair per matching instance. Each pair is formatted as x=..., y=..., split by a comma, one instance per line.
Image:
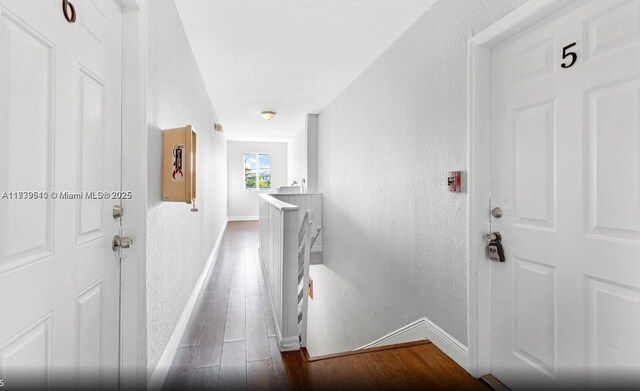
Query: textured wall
x=394, y=239
x=245, y=203
x=178, y=241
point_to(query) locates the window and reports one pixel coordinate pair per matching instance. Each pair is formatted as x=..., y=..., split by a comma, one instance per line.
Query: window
x=257, y=171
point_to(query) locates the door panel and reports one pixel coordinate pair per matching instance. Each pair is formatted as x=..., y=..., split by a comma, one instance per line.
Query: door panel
x=29, y=350
x=26, y=128
x=535, y=61
x=614, y=325
x=89, y=328
x=534, y=145
x=613, y=139
x=94, y=20
x=60, y=126
x=535, y=309
x=91, y=92
x=565, y=169
x=612, y=28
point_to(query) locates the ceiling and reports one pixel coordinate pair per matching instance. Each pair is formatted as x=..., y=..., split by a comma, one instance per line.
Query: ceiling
x=290, y=56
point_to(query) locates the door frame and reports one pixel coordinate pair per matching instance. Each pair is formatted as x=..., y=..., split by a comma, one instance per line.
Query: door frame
x=133, y=314
x=479, y=186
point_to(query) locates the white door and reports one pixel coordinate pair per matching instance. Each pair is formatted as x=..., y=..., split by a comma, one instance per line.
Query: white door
x=60, y=114
x=565, y=169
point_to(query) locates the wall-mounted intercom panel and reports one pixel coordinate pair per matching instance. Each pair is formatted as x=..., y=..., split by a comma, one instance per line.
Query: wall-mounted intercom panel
x=179, y=164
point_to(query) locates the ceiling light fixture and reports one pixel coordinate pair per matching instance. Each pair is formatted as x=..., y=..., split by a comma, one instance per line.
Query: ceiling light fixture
x=268, y=115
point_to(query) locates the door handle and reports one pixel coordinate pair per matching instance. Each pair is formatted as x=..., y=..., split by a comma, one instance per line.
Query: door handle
x=119, y=243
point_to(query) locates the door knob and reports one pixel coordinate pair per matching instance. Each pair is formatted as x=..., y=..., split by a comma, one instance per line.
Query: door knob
x=119, y=242
x=496, y=212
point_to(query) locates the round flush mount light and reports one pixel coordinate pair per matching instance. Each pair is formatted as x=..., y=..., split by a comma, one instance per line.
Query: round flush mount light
x=268, y=115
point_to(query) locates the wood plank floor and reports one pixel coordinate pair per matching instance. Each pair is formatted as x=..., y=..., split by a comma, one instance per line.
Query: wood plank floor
x=230, y=341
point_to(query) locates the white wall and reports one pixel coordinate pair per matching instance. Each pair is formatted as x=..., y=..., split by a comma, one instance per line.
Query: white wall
x=297, y=157
x=302, y=155
x=178, y=241
x=312, y=152
x=243, y=204
x=394, y=239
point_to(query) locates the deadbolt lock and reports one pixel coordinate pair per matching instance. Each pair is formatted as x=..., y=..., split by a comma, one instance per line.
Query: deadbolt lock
x=494, y=247
x=117, y=211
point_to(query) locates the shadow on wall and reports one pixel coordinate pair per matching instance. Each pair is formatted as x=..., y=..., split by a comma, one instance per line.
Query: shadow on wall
x=371, y=282
x=154, y=166
x=346, y=311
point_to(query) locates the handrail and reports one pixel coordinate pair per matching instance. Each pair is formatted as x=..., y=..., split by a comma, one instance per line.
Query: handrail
x=280, y=205
x=306, y=201
x=315, y=236
x=304, y=241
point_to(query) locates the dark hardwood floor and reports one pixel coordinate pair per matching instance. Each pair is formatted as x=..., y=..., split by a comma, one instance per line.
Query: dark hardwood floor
x=230, y=341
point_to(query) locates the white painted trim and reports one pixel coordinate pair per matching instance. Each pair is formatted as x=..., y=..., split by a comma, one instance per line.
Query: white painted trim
x=133, y=312
x=414, y=331
x=164, y=364
x=425, y=329
x=289, y=344
x=479, y=185
x=132, y=5
x=244, y=218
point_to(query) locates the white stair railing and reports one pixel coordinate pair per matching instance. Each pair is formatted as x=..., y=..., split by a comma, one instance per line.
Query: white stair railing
x=287, y=236
x=315, y=236
x=279, y=244
x=304, y=242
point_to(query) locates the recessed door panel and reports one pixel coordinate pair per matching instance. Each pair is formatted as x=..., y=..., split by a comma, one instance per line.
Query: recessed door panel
x=613, y=28
x=27, y=356
x=535, y=62
x=614, y=329
x=93, y=18
x=26, y=128
x=535, y=311
x=535, y=165
x=613, y=166
x=89, y=331
x=90, y=153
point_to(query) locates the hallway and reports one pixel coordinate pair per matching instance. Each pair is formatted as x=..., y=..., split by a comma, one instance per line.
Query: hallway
x=230, y=341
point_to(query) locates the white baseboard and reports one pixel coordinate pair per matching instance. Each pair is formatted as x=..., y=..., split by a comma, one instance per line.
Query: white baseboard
x=289, y=344
x=164, y=364
x=426, y=329
x=244, y=218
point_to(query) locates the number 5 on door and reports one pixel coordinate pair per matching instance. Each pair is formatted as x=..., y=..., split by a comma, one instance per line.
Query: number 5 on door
x=565, y=54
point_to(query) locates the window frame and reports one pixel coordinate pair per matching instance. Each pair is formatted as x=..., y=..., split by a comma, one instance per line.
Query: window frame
x=244, y=177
